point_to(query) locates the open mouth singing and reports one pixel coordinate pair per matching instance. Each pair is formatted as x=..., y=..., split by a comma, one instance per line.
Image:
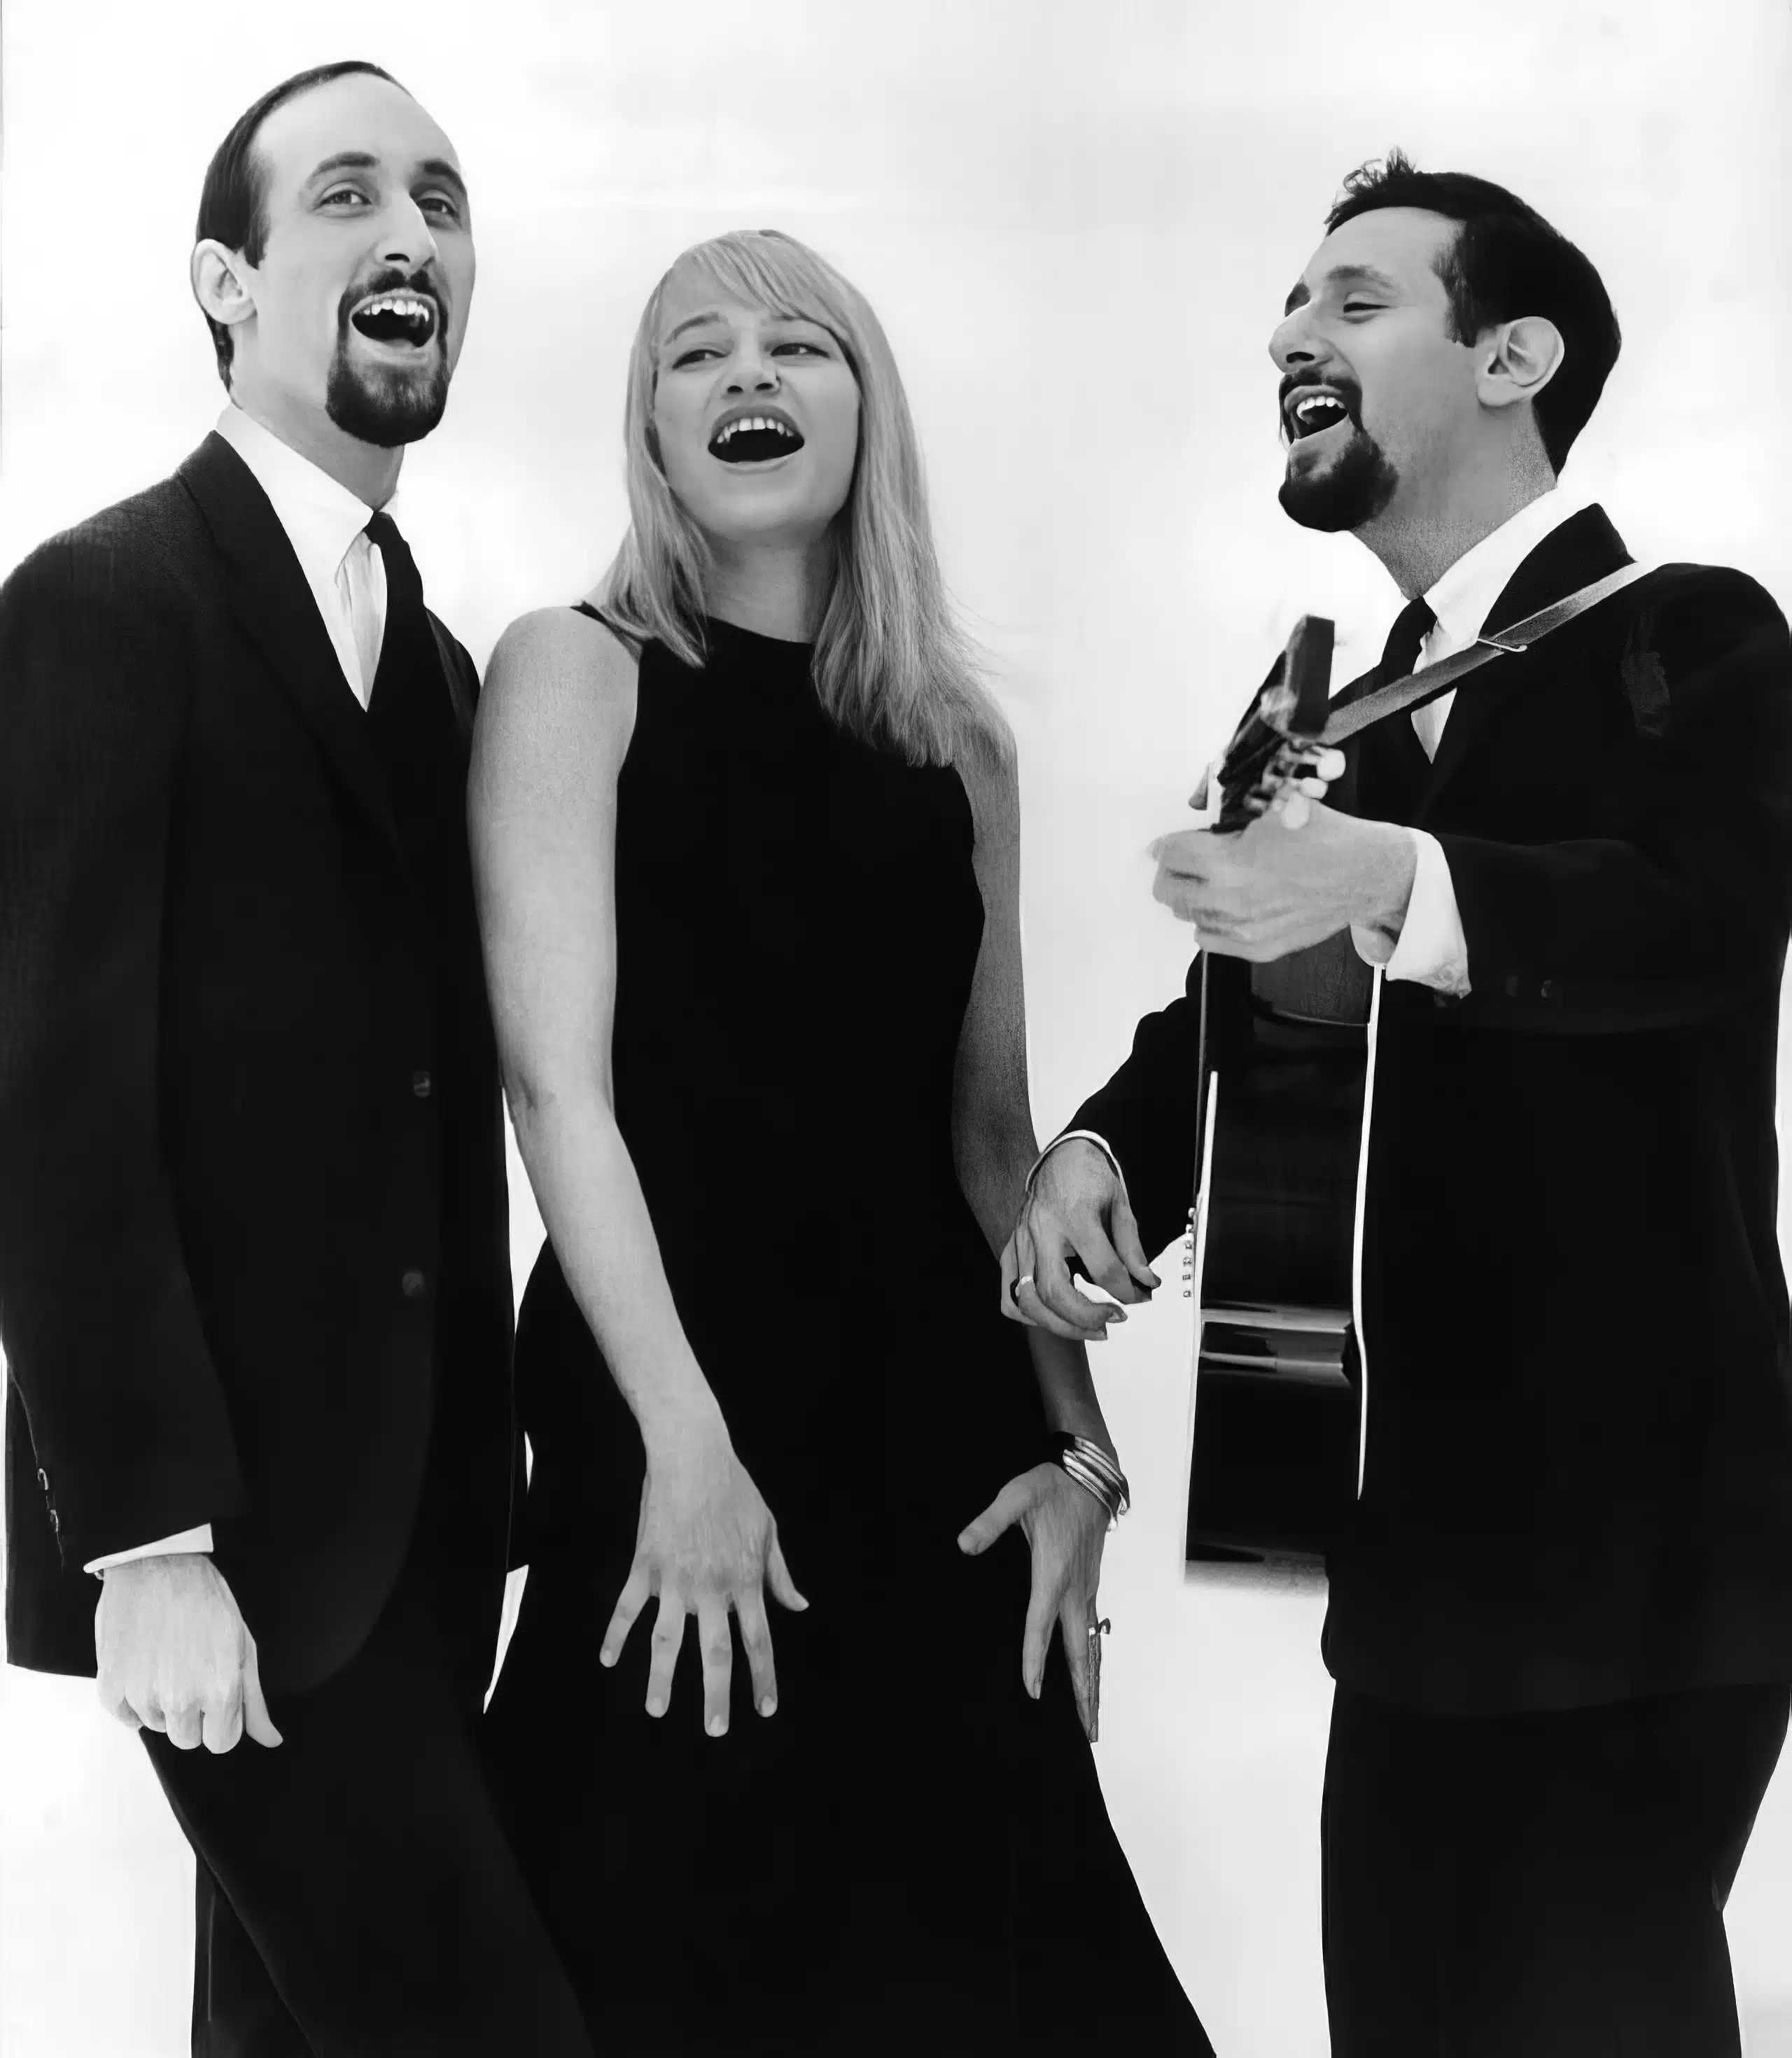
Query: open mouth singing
x=760, y=437
x=1310, y=410
x=404, y=322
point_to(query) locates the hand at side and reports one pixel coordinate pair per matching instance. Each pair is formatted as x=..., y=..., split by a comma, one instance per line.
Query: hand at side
x=707, y=1544
x=1064, y=1526
x=176, y=1655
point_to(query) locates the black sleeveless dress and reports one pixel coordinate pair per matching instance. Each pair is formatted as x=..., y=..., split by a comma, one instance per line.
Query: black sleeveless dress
x=910, y=1856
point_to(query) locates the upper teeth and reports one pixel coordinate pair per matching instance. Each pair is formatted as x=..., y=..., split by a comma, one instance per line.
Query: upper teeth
x=754, y=422
x=1305, y=407
x=398, y=303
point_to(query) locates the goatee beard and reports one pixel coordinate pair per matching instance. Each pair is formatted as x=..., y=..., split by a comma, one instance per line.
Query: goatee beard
x=1353, y=489
x=389, y=410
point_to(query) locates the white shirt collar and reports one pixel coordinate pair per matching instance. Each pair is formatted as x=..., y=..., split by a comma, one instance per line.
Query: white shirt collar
x=320, y=515
x=1464, y=597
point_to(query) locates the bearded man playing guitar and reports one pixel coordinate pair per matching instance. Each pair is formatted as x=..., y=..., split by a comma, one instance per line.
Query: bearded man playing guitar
x=1560, y=1621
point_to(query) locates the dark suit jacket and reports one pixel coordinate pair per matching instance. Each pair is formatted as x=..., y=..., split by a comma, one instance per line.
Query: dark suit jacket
x=225, y=1187
x=1579, y=1483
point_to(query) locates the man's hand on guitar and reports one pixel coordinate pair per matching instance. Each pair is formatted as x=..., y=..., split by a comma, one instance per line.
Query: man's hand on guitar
x=1075, y=1219
x=1264, y=891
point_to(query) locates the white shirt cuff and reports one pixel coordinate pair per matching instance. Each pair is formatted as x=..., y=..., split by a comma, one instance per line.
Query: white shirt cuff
x=187, y=1540
x=1087, y=1136
x=1431, y=949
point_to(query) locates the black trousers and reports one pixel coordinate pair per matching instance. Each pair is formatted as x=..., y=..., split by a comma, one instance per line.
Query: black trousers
x=1540, y=1886
x=357, y=1898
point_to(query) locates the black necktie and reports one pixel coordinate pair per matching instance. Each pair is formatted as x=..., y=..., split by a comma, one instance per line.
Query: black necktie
x=404, y=590
x=1400, y=653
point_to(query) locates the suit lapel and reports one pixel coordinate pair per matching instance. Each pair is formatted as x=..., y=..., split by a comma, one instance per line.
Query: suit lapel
x=270, y=598
x=1584, y=548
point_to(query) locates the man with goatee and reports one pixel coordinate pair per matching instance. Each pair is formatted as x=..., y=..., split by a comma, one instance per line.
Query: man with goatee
x=1560, y=1625
x=254, y=1281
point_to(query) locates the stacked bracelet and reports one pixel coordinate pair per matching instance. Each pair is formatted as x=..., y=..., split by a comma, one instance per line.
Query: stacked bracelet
x=1091, y=1468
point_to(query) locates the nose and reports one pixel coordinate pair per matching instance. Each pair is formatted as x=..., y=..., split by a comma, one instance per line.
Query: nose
x=1292, y=343
x=752, y=370
x=406, y=240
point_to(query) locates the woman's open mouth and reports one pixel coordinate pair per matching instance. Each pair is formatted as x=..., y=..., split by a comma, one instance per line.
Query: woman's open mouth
x=755, y=438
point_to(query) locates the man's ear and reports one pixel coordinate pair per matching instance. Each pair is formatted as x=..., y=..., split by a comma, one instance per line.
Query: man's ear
x=1519, y=358
x=219, y=283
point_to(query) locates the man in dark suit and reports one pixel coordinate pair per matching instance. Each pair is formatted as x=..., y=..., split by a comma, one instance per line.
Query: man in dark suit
x=1561, y=1627
x=254, y=1288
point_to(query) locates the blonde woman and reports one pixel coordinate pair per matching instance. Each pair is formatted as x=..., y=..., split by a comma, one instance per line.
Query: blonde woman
x=746, y=843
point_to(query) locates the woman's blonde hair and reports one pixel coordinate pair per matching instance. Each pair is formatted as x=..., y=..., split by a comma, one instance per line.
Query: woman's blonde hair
x=892, y=666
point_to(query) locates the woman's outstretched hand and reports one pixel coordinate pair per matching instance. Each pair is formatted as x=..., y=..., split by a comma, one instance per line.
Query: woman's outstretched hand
x=1065, y=1527
x=707, y=1543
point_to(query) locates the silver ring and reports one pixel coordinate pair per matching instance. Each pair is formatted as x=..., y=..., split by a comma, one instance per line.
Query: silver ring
x=1101, y=1628
x=1026, y=1279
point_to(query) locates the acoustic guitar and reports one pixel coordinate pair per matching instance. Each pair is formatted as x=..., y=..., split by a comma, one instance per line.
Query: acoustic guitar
x=1287, y=1066
x=1273, y=1257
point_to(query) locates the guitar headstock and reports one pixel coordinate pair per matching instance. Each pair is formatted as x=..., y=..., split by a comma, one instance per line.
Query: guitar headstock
x=1282, y=728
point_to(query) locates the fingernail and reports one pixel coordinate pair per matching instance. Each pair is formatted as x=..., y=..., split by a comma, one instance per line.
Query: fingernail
x=655, y=1705
x=717, y=1725
x=606, y=1658
x=768, y=1706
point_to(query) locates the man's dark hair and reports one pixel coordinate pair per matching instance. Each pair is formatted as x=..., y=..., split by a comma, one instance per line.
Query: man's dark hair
x=233, y=201
x=1506, y=261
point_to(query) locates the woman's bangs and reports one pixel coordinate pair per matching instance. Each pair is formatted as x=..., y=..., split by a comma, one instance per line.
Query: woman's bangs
x=782, y=278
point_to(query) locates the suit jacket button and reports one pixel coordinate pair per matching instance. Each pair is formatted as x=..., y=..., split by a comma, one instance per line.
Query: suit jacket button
x=1544, y=991
x=421, y=1085
x=411, y=1284
x=43, y=1478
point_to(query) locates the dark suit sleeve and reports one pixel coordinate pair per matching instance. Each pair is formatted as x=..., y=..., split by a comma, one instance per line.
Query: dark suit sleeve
x=1684, y=913
x=103, y=1341
x=1145, y=1114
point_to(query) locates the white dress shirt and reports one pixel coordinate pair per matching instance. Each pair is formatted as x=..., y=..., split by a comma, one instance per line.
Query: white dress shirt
x=326, y=525
x=1431, y=949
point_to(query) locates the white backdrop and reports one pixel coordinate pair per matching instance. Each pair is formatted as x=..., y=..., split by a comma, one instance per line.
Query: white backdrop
x=1078, y=223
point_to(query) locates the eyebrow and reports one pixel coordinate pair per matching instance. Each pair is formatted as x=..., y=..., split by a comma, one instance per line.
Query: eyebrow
x=364, y=160
x=714, y=315
x=693, y=321
x=1364, y=275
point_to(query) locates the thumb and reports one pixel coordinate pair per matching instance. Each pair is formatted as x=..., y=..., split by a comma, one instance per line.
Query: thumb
x=777, y=1578
x=257, y=1722
x=1127, y=1247
x=1001, y=1516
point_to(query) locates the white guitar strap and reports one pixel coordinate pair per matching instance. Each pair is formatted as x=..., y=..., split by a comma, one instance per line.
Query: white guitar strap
x=1426, y=683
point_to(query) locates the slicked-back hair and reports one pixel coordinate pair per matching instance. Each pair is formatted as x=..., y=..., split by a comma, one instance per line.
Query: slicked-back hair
x=1505, y=261
x=233, y=201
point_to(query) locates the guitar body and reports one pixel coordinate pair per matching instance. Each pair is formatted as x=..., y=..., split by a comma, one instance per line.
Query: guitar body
x=1284, y=1071
x=1274, y=1470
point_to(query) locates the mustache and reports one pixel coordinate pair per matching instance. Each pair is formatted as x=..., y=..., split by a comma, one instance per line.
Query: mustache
x=426, y=284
